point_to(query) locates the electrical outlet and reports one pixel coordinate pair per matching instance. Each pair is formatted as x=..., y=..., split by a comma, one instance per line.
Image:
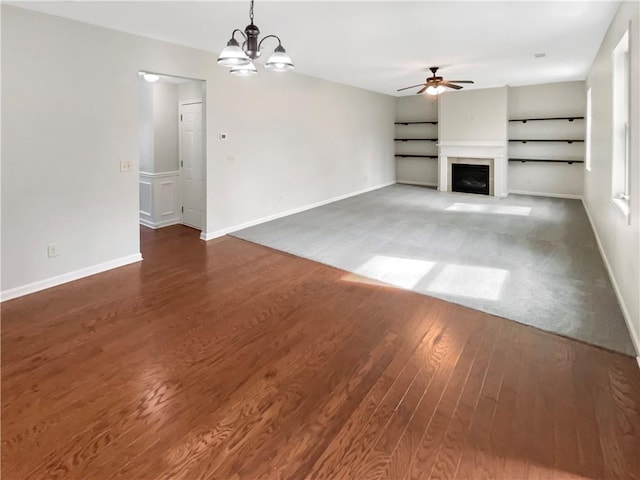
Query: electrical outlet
x=231, y=159
x=126, y=166
x=53, y=249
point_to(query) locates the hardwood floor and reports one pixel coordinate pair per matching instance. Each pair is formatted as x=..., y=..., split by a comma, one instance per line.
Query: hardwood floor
x=230, y=360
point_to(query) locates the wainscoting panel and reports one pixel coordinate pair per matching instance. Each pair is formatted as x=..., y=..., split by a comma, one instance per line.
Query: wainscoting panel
x=159, y=198
x=146, y=199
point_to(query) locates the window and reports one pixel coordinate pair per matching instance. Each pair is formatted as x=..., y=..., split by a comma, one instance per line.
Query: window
x=587, y=148
x=620, y=150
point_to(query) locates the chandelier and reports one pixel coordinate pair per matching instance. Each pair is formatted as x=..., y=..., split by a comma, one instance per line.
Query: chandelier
x=240, y=59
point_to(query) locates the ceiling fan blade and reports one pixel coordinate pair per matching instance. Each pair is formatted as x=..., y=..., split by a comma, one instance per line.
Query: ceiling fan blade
x=450, y=85
x=460, y=81
x=412, y=86
x=421, y=90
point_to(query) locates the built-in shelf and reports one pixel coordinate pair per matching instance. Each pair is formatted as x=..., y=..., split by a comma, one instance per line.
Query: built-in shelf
x=523, y=160
x=557, y=140
x=416, y=154
x=416, y=139
x=525, y=120
x=416, y=123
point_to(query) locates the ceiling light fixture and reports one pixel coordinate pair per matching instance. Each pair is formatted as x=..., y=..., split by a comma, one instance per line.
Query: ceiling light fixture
x=151, y=77
x=433, y=90
x=239, y=59
x=244, y=70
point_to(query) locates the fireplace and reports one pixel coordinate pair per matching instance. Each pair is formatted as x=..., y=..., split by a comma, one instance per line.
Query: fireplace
x=470, y=178
x=491, y=154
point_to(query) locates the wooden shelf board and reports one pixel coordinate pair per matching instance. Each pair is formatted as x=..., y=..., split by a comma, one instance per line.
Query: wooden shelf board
x=557, y=140
x=416, y=139
x=524, y=160
x=525, y=120
x=415, y=123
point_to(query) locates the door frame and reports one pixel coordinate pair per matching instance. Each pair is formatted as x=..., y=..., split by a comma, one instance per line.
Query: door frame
x=181, y=103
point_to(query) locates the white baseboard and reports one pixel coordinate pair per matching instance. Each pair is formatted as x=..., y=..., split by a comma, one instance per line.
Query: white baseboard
x=68, y=277
x=155, y=225
x=635, y=338
x=420, y=184
x=224, y=231
x=546, y=194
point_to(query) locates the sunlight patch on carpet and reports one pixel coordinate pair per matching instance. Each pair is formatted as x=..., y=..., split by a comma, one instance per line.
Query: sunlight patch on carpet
x=401, y=272
x=468, y=281
x=497, y=209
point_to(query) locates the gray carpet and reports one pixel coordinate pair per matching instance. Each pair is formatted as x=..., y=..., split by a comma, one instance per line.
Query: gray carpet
x=530, y=259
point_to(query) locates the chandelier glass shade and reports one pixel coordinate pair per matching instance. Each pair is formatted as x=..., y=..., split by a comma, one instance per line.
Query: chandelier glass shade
x=245, y=70
x=239, y=57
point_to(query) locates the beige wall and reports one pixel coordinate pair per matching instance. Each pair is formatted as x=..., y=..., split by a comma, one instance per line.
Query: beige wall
x=165, y=127
x=70, y=111
x=619, y=237
x=470, y=115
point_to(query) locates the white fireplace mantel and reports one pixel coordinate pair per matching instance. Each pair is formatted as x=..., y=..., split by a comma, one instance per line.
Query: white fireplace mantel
x=497, y=151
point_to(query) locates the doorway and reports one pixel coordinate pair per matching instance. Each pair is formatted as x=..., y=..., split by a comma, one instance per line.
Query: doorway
x=172, y=183
x=191, y=163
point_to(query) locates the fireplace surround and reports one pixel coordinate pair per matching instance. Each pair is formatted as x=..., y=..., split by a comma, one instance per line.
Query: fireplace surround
x=491, y=154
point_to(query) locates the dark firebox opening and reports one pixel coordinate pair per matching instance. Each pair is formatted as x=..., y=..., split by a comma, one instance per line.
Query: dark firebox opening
x=470, y=178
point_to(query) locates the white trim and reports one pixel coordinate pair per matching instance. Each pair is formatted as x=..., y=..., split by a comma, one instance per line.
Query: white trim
x=180, y=196
x=156, y=225
x=160, y=174
x=493, y=152
x=68, y=277
x=472, y=144
x=622, y=205
x=224, y=231
x=635, y=338
x=547, y=194
x=191, y=101
x=420, y=184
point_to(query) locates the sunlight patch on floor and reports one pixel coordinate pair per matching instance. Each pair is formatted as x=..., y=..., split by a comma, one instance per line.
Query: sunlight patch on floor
x=466, y=281
x=401, y=272
x=497, y=209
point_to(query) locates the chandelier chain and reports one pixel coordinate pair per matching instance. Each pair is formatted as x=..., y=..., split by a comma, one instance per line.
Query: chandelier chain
x=251, y=12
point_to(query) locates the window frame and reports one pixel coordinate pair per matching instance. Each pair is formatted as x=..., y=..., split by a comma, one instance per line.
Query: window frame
x=620, y=132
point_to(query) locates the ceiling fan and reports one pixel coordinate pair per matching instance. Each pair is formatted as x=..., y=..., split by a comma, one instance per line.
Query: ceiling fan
x=435, y=84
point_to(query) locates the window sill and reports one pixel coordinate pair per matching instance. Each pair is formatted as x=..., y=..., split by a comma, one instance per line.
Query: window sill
x=623, y=205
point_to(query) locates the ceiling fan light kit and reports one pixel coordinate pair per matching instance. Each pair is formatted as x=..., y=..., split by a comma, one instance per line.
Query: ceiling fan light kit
x=433, y=90
x=240, y=58
x=435, y=85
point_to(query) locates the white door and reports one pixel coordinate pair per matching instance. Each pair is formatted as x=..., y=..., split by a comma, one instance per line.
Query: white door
x=191, y=163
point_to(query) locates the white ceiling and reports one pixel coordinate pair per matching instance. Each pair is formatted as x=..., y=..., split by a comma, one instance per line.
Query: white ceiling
x=382, y=46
